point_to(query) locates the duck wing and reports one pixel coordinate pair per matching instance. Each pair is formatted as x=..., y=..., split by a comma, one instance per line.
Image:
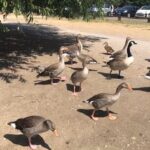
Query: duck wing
x=109, y=48
x=117, y=64
x=28, y=122
x=48, y=69
x=119, y=55
x=100, y=100
x=75, y=77
x=82, y=57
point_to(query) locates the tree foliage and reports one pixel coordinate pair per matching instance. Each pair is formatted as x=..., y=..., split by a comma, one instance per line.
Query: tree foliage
x=61, y=8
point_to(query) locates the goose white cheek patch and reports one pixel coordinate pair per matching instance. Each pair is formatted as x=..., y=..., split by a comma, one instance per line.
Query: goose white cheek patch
x=13, y=125
x=147, y=77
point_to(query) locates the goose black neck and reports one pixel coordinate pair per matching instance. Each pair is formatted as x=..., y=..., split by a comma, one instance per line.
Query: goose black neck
x=129, y=49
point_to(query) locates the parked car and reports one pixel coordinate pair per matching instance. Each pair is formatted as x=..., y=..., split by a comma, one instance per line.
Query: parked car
x=93, y=9
x=107, y=9
x=143, y=12
x=128, y=11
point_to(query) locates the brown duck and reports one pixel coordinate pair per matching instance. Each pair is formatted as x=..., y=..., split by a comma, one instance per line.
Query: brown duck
x=108, y=48
x=54, y=70
x=106, y=100
x=33, y=125
x=79, y=77
x=72, y=49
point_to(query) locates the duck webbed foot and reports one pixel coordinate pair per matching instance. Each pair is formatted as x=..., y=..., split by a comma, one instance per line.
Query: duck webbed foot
x=75, y=94
x=94, y=118
x=74, y=91
x=63, y=78
x=31, y=145
x=111, y=117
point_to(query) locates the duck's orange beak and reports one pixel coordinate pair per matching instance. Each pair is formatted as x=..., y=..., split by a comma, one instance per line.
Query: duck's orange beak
x=130, y=88
x=55, y=132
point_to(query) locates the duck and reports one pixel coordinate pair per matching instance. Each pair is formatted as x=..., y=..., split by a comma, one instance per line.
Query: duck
x=79, y=77
x=72, y=49
x=33, y=125
x=54, y=70
x=84, y=57
x=121, y=53
x=108, y=48
x=147, y=76
x=122, y=63
x=105, y=100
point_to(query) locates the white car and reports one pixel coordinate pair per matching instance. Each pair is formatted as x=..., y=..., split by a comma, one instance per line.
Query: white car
x=107, y=9
x=143, y=12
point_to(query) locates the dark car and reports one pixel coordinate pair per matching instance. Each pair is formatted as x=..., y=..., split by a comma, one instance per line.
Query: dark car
x=128, y=11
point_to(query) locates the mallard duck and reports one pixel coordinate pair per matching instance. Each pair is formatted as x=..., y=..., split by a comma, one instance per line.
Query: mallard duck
x=108, y=48
x=106, y=100
x=72, y=49
x=79, y=77
x=33, y=125
x=122, y=63
x=121, y=53
x=54, y=70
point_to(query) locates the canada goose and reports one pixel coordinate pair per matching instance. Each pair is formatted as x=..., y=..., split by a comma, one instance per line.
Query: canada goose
x=108, y=48
x=121, y=53
x=147, y=76
x=55, y=69
x=122, y=63
x=33, y=125
x=72, y=49
x=79, y=77
x=106, y=100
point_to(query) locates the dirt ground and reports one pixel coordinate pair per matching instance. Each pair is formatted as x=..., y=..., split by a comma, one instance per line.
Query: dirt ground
x=22, y=94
